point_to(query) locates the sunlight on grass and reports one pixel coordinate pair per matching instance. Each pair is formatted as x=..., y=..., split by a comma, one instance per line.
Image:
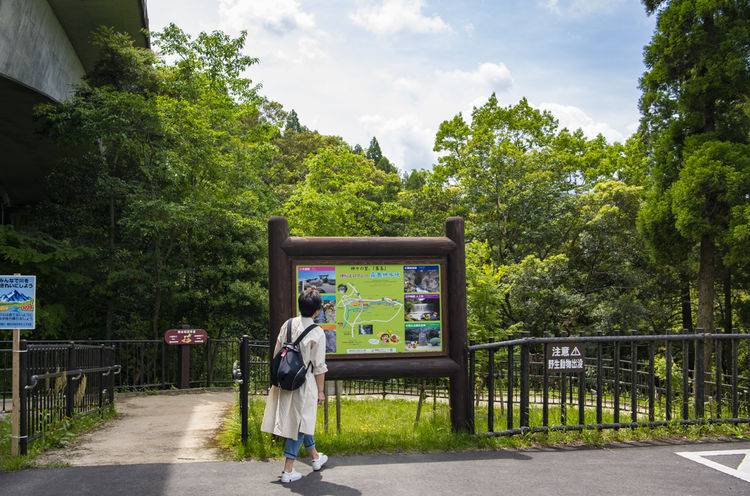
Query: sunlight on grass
x=387, y=426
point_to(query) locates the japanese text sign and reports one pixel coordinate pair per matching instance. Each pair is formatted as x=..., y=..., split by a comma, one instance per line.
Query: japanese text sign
x=17, y=302
x=185, y=336
x=564, y=357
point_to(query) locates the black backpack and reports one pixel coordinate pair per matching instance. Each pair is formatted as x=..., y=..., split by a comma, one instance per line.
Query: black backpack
x=288, y=371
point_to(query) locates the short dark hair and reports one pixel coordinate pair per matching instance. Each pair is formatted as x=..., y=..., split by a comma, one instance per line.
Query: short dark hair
x=309, y=302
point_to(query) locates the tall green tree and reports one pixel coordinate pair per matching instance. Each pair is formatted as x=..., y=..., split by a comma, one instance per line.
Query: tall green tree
x=159, y=185
x=694, y=91
x=344, y=194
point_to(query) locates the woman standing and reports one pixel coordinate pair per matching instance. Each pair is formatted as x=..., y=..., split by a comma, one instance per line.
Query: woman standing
x=291, y=414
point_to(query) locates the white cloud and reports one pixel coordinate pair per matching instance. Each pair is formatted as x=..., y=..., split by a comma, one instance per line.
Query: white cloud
x=573, y=118
x=273, y=15
x=407, y=138
x=404, y=139
x=488, y=76
x=580, y=8
x=309, y=48
x=394, y=16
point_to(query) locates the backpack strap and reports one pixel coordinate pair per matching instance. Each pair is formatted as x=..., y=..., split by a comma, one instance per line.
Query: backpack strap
x=289, y=331
x=304, y=333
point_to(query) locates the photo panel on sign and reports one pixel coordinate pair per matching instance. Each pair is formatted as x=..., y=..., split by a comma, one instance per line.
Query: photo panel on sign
x=421, y=279
x=322, y=278
x=422, y=307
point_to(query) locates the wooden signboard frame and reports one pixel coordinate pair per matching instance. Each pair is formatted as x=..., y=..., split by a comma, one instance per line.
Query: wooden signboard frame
x=285, y=252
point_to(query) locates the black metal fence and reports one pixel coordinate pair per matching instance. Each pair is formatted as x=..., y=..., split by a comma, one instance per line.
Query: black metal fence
x=59, y=381
x=626, y=381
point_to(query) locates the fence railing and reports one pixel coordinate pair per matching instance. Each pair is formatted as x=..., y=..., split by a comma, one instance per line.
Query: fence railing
x=59, y=381
x=626, y=381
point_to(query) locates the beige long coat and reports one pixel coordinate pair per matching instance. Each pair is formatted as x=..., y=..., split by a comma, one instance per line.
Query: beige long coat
x=291, y=412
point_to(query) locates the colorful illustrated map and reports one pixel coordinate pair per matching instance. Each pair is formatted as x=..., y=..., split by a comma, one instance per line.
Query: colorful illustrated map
x=376, y=306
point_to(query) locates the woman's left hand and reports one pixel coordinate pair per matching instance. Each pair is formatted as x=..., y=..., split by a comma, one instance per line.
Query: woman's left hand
x=321, y=397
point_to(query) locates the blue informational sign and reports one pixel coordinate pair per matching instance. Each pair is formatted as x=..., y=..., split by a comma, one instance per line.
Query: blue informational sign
x=17, y=302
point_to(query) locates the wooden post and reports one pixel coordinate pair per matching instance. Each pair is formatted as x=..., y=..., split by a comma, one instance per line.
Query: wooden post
x=279, y=281
x=15, y=419
x=459, y=380
x=184, y=366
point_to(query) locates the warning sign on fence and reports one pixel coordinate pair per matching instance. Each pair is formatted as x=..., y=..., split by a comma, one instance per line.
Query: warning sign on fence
x=564, y=357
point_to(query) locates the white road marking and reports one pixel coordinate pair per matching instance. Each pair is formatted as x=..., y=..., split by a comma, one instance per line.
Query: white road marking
x=741, y=472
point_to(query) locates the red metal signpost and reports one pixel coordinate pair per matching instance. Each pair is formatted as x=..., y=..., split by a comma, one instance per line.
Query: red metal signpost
x=185, y=338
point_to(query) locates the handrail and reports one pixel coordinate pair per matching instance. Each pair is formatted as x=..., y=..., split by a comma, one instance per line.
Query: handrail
x=605, y=339
x=34, y=379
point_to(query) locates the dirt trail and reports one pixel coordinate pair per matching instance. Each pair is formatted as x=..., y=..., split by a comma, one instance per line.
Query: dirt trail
x=160, y=428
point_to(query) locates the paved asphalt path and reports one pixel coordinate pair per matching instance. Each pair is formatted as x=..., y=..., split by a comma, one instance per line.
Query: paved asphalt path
x=640, y=471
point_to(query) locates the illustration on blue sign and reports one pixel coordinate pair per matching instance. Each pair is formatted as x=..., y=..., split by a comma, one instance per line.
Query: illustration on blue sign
x=17, y=302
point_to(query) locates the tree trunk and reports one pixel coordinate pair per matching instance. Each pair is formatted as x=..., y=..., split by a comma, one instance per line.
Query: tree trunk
x=706, y=298
x=706, y=285
x=111, y=297
x=110, y=317
x=157, y=292
x=728, y=301
x=687, y=310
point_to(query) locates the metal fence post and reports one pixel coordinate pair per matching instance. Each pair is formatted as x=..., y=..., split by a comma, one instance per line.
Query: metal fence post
x=69, y=400
x=163, y=346
x=244, y=385
x=23, y=431
x=472, y=387
x=616, y=387
x=685, y=377
x=599, y=381
x=633, y=382
x=668, y=363
x=491, y=391
x=719, y=379
x=111, y=388
x=100, y=393
x=651, y=381
x=524, y=400
x=509, y=416
x=699, y=379
x=545, y=387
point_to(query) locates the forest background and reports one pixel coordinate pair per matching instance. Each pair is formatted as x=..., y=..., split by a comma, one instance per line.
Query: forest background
x=171, y=161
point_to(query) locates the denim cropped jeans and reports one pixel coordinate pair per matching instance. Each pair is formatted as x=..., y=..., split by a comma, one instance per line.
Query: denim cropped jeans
x=291, y=446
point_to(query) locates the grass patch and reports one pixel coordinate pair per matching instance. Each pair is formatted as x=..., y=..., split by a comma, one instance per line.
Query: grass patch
x=61, y=436
x=387, y=426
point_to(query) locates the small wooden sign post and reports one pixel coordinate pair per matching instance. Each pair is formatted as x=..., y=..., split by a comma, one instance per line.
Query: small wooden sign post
x=184, y=338
x=17, y=312
x=15, y=414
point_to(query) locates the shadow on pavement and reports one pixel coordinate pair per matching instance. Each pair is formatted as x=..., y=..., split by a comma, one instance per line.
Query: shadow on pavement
x=314, y=485
x=457, y=456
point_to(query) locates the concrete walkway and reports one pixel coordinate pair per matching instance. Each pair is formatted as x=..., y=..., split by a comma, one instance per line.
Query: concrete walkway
x=647, y=471
x=160, y=428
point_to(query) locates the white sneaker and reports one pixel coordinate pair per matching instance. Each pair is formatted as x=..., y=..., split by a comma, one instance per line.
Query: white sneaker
x=290, y=476
x=318, y=464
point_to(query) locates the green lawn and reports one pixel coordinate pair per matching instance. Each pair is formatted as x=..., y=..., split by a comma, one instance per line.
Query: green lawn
x=62, y=435
x=387, y=426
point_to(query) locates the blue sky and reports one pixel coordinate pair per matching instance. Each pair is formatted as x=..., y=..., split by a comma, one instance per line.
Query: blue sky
x=396, y=68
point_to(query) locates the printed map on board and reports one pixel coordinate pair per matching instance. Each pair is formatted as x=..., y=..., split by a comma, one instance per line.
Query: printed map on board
x=377, y=308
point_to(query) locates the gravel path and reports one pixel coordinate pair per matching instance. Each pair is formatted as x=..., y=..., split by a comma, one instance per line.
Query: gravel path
x=159, y=428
